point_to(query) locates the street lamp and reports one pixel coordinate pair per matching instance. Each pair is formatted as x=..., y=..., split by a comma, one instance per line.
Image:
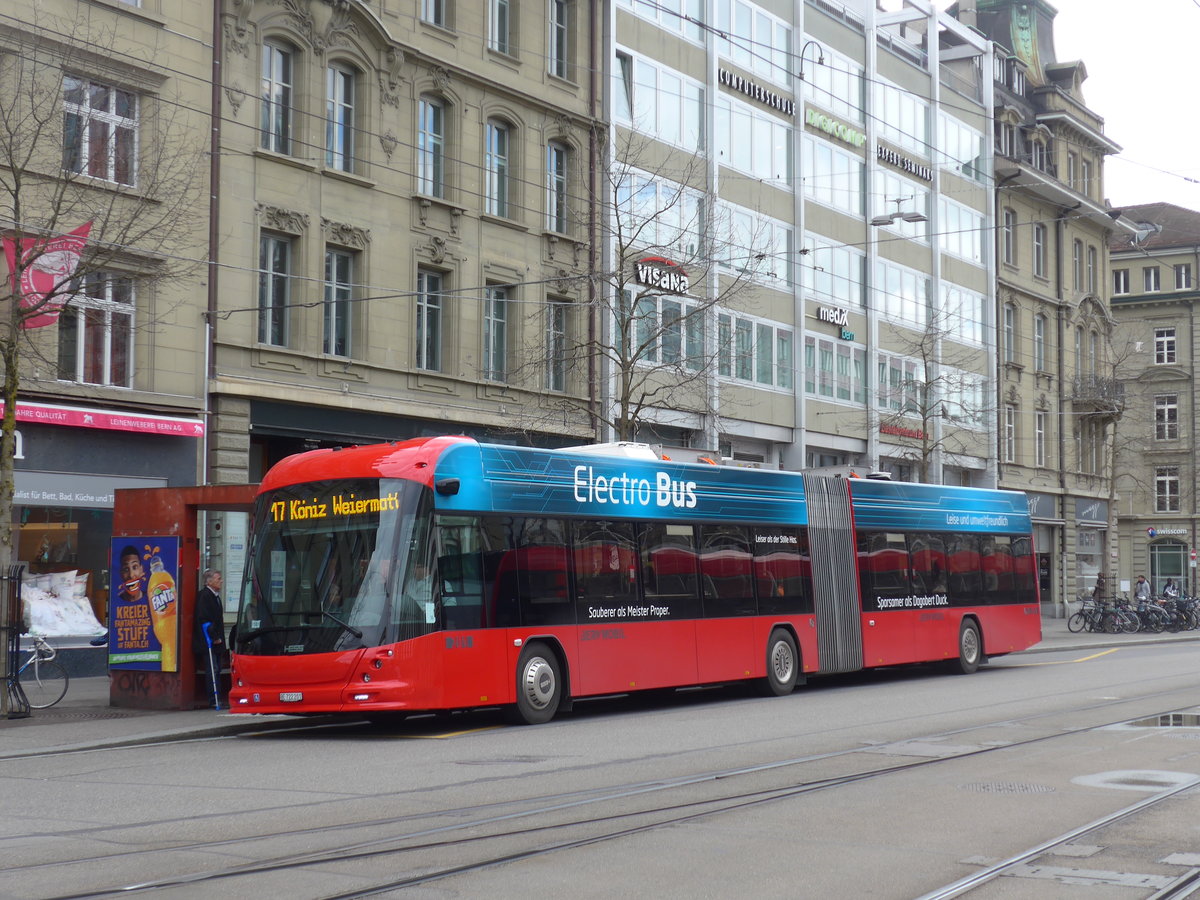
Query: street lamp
x=899, y=215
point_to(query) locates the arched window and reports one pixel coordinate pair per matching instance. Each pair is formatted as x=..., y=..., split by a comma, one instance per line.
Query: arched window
x=278, y=61
x=341, y=84
x=431, y=147
x=497, y=139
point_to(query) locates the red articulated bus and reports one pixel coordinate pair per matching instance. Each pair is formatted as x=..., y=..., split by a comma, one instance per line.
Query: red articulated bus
x=441, y=574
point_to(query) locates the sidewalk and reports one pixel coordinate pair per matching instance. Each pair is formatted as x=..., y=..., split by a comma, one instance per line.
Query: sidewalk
x=83, y=720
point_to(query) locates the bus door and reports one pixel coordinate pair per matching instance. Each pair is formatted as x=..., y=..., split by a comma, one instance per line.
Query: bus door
x=726, y=645
x=888, y=616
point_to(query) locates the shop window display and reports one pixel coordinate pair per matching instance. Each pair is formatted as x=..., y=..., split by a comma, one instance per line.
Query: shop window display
x=64, y=552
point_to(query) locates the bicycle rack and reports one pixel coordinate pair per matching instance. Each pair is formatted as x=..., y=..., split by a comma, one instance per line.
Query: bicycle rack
x=12, y=624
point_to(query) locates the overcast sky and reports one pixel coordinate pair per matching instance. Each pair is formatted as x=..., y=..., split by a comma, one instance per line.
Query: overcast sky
x=1141, y=59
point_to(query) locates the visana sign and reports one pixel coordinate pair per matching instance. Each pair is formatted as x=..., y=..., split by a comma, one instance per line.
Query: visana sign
x=662, y=274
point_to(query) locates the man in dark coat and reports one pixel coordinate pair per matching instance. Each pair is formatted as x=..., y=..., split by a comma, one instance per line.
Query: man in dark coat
x=208, y=609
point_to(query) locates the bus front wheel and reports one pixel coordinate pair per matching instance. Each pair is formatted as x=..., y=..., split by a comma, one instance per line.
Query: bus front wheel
x=970, y=649
x=539, y=685
x=783, y=664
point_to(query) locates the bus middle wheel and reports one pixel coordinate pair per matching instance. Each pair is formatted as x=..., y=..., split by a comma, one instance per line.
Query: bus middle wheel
x=539, y=685
x=783, y=664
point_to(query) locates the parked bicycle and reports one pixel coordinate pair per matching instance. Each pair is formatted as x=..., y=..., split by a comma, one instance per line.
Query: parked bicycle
x=43, y=680
x=1091, y=616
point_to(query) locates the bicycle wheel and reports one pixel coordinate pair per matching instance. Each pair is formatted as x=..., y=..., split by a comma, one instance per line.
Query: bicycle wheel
x=1075, y=623
x=45, y=687
x=1112, y=622
x=1129, y=621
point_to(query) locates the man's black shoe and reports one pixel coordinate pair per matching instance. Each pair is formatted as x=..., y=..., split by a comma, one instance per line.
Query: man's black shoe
x=99, y=641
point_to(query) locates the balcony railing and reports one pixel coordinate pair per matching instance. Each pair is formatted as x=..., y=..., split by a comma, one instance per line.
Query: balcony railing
x=1097, y=395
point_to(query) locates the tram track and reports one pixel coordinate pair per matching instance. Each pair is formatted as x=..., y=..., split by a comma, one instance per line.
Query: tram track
x=461, y=849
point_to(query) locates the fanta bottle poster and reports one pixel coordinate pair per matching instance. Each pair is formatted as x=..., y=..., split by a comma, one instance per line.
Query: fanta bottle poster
x=143, y=606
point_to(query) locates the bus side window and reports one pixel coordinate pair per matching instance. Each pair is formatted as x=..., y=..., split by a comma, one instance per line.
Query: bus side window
x=498, y=564
x=543, y=574
x=928, y=555
x=779, y=570
x=726, y=571
x=1024, y=571
x=460, y=572
x=883, y=566
x=605, y=562
x=668, y=561
x=964, y=579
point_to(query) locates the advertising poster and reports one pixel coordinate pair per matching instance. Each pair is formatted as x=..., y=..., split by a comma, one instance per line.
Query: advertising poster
x=143, y=606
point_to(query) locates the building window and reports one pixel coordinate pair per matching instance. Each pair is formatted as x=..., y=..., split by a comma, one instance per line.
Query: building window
x=339, y=118
x=556, y=345
x=1166, y=489
x=1085, y=186
x=1039, y=154
x=95, y=332
x=495, y=333
x=1151, y=279
x=1183, y=276
x=431, y=147
x=500, y=26
x=1091, y=269
x=100, y=127
x=1079, y=358
x=1010, y=333
x=1039, y=250
x=838, y=370
x=277, y=98
x=429, y=320
x=1077, y=264
x=1072, y=169
x=274, y=280
x=496, y=168
x=339, y=286
x=1039, y=343
x=1164, y=346
x=1039, y=437
x=1120, y=281
x=559, y=38
x=1009, y=238
x=1010, y=433
x=1166, y=417
x=756, y=352
x=434, y=12
x=556, y=187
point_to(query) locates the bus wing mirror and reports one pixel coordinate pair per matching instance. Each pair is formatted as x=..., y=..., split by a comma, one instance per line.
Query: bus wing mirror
x=447, y=486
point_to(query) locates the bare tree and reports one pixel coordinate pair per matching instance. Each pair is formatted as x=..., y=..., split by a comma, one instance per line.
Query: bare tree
x=674, y=260
x=936, y=399
x=96, y=178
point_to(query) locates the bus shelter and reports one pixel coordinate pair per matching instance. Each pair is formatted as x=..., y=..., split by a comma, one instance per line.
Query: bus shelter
x=155, y=575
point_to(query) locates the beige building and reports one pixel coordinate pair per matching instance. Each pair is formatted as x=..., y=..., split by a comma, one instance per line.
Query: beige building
x=1058, y=397
x=1154, y=298
x=105, y=126
x=403, y=225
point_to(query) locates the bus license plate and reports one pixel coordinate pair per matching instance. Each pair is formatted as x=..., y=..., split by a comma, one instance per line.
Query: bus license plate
x=291, y=697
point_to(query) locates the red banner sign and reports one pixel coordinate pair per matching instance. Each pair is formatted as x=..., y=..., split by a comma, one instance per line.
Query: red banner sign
x=80, y=417
x=45, y=268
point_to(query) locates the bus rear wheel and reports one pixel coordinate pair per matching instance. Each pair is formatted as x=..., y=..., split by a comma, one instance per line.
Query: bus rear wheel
x=539, y=686
x=783, y=664
x=970, y=649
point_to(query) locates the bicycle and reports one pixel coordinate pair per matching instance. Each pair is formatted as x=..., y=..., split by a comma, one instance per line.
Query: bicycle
x=49, y=680
x=1091, y=616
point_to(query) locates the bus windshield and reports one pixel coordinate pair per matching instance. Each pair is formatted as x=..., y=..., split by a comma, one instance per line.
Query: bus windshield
x=337, y=565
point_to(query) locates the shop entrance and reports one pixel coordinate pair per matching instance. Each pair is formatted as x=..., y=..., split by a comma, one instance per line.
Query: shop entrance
x=1168, y=559
x=151, y=661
